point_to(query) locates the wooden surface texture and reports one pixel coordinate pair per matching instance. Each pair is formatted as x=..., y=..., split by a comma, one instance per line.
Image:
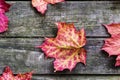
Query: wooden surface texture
x=28, y=28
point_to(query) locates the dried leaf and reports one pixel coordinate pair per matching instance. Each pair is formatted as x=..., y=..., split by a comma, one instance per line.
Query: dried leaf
x=4, y=7
x=3, y=22
x=41, y=5
x=112, y=45
x=8, y=75
x=66, y=48
x=113, y=28
x=117, y=61
x=69, y=61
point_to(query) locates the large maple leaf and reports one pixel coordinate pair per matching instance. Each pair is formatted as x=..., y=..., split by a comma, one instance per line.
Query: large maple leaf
x=66, y=47
x=112, y=45
x=41, y=5
x=4, y=7
x=8, y=75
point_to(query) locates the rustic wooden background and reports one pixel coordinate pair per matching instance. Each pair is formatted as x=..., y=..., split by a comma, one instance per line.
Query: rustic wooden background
x=28, y=28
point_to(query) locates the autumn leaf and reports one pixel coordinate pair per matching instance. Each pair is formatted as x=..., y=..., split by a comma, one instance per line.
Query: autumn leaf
x=8, y=75
x=113, y=28
x=117, y=61
x=41, y=5
x=66, y=47
x=112, y=45
x=3, y=22
x=4, y=7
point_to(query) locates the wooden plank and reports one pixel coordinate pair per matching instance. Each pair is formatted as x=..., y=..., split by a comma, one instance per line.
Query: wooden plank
x=71, y=77
x=22, y=56
x=25, y=21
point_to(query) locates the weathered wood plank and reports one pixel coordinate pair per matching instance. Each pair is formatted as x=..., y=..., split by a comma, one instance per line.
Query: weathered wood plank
x=22, y=56
x=71, y=77
x=25, y=21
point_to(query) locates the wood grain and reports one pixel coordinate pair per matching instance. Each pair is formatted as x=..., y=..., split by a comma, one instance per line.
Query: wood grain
x=25, y=21
x=27, y=29
x=71, y=77
x=22, y=56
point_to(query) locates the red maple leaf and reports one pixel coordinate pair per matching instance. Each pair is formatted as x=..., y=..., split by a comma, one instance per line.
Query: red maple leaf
x=4, y=7
x=112, y=45
x=8, y=75
x=41, y=5
x=66, y=47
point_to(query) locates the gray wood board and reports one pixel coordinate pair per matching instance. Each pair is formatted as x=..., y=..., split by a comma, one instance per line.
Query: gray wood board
x=22, y=56
x=19, y=52
x=25, y=21
x=71, y=77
